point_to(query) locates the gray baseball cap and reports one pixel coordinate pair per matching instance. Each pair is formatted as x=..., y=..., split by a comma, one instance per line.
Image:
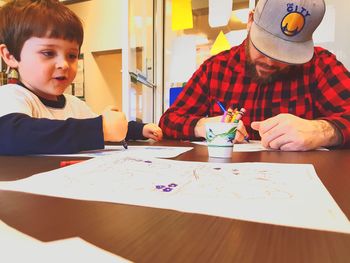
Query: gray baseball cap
x=282, y=29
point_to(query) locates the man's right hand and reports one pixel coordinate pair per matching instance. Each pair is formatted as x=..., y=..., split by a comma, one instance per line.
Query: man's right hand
x=199, y=130
x=115, y=125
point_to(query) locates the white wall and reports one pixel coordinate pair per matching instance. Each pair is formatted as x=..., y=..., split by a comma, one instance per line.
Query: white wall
x=334, y=30
x=102, y=21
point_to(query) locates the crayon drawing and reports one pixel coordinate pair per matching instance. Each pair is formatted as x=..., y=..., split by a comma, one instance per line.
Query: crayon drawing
x=283, y=194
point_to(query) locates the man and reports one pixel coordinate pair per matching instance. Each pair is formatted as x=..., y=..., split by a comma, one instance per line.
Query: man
x=296, y=96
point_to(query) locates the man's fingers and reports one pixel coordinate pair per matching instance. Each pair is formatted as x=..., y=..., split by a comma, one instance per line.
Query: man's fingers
x=255, y=125
x=240, y=136
x=266, y=125
x=241, y=133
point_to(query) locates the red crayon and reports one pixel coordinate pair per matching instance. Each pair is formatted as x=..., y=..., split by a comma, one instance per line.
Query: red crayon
x=240, y=114
x=66, y=163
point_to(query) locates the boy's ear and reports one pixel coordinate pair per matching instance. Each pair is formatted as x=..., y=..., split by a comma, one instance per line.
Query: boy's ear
x=8, y=57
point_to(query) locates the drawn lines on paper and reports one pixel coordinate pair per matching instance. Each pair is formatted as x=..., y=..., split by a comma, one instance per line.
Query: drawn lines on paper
x=240, y=184
x=130, y=174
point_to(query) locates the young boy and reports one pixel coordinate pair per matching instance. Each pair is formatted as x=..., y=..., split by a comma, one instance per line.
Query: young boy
x=42, y=40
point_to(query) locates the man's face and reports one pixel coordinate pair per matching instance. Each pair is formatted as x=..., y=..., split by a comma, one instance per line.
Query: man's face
x=261, y=67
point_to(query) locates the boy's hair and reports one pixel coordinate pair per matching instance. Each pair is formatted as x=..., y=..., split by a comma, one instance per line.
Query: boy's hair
x=23, y=19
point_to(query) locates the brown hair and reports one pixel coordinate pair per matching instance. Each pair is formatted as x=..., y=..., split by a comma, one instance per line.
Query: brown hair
x=23, y=19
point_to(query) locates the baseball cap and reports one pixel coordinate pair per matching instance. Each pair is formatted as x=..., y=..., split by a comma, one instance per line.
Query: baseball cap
x=282, y=29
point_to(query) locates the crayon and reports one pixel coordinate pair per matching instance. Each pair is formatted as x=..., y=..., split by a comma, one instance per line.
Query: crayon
x=70, y=162
x=240, y=114
x=224, y=117
x=221, y=106
x=229, y=115
x=223, y=110
x=125, y=145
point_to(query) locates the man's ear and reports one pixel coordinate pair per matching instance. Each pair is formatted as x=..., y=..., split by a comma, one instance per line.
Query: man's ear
x=8, y=57
x=250, y=20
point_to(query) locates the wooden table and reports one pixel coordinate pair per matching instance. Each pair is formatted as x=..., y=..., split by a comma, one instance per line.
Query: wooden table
x=143, y=234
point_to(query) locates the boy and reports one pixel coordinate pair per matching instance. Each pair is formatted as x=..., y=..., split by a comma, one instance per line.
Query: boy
x=42, y=40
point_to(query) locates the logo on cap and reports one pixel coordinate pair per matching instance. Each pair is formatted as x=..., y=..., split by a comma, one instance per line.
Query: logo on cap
x=293, y=22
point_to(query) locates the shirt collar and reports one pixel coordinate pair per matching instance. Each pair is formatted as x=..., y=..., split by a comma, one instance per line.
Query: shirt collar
x=59, y=104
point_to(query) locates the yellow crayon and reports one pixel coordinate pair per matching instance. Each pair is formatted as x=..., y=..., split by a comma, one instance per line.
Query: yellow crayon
x=228, y=116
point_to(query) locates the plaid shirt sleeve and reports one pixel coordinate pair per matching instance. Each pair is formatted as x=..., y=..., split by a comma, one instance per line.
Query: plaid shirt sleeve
x=333, y=93
x=192, y=104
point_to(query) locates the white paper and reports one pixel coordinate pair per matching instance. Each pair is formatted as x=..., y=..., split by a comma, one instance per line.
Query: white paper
x=19, y=247
x=325, y=32
x=154, y=151
x=281, y=194
x=220, y=12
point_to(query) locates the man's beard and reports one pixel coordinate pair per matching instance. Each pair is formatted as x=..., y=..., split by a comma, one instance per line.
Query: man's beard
x=270, y=78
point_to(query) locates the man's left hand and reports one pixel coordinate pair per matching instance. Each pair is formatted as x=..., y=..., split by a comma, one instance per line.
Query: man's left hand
x=288, y=132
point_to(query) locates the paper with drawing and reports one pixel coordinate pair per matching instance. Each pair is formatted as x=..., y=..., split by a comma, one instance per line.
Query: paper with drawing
x=282, y=194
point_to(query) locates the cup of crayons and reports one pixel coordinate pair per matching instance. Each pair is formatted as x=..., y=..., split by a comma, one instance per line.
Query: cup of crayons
x=220, y=135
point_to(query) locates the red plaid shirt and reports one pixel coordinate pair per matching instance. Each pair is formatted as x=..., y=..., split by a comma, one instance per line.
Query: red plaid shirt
x=319, y=89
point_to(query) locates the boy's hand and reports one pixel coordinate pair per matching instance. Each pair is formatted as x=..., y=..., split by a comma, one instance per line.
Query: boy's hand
x=115, y=125
x=152, y=131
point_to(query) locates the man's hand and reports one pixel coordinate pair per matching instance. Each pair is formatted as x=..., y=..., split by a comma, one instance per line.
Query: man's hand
x=287, y=132
x=241, y=134
x=200, y=128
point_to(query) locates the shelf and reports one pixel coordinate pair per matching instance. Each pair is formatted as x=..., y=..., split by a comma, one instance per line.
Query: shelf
x=106, y=52
x=67, y=2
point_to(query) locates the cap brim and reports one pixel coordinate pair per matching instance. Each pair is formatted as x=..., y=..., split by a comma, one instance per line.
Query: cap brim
x=280, y=49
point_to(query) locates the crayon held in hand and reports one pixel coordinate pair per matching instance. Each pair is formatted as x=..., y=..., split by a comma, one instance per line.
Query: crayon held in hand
x=125, y=145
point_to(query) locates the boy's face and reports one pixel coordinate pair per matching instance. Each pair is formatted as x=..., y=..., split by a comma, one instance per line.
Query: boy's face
x=48, y=65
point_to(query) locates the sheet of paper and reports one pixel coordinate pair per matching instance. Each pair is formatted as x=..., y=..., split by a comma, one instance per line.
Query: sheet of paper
x=19, y=247
x=155, y=151
x=282, y=194
x=252, y=146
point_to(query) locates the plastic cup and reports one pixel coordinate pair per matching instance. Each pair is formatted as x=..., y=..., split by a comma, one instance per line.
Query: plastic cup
x=219, y=136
